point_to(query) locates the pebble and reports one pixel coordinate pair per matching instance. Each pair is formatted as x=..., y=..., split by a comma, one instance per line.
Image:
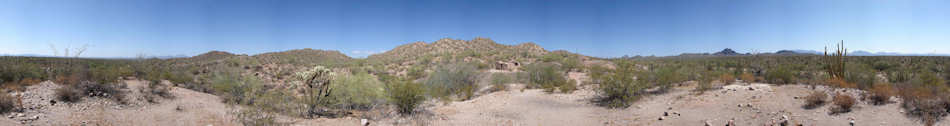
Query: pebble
x=661, y=118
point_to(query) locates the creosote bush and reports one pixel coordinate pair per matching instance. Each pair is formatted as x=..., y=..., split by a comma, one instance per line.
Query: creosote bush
x=453, y=80
x=358, y=91
x=815, y=99
x=545, y=76
x=781, y=75
x=406, y=95
x=500, y=81
x=618, y=88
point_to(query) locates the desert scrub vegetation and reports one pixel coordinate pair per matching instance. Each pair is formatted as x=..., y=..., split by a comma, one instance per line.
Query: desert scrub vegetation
x=236, y=89
x=406, y=95
x=781, y=75
x=747, y=78
x=546, y=76
x=665, y=77
x=7, y=103
x=815, y=99
x=458, y=80
x=881, y=93
x=843, y=103
x=155, y=90
x=358, y=91
x=500, y=81
x=727, y=78
x=68, y=94
x=75, y=92
x=618, y=88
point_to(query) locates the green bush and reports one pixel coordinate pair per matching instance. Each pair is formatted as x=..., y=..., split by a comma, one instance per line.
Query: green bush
x=781, y=75
x=236, y=89
x=618, y=88
x=860, y=74
x=358, y=91
x=500, y=81
x=453, y=80
x=546, y=76
x=665, y=77
x=569, y=87
x=406, y=96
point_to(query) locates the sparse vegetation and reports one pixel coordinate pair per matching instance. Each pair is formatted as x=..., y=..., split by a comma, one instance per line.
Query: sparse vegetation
x=546, y=76
x=155, y=90
x=815, y=99
x=843, y=103
x=68, y=94
x=457, y=80
x=7, y=103
x=747, y=78
x=881, y=93
x=500, y=81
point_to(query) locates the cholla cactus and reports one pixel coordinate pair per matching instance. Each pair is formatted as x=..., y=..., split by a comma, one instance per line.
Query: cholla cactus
x=317, y=77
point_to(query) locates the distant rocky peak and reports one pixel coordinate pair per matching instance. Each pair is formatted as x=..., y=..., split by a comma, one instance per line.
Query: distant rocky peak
x=726, y=51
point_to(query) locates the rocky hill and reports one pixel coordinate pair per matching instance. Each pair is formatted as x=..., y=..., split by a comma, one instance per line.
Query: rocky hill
x=452, y=48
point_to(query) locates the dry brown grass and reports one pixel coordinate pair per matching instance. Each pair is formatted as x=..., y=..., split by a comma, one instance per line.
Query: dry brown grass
x=7, y=103
x=840, y=83
x=747, y=78
x=881, y=93
x=843, y=103
x=727, y=79
x=815, y=99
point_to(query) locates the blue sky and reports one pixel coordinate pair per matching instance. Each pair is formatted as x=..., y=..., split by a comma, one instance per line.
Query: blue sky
x=127, y=28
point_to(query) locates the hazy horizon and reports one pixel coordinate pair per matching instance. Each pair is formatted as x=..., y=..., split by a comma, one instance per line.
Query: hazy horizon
x=360, y=28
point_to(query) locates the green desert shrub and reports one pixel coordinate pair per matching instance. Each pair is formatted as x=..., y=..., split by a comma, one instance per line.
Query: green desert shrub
x=546, y=76
x=236, y=89
x=357, y=91
x=618, y=88
x=665, y=77
x=500, y=81
x=406, y=96
x=781, y=75
x=860, y=74
x=453, y=80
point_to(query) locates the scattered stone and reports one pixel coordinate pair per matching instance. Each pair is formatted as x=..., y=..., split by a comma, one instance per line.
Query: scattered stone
x=751, y=89
x=666, y=114
x=661, y=118
x=731, y=122
x=706, y=123
x=20, y=115
x=364, y=122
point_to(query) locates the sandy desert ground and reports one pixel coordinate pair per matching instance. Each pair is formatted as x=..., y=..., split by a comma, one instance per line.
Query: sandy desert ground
x=745, y=104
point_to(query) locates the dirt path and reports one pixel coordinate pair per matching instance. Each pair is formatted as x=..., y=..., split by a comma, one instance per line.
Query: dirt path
x=187, y=108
